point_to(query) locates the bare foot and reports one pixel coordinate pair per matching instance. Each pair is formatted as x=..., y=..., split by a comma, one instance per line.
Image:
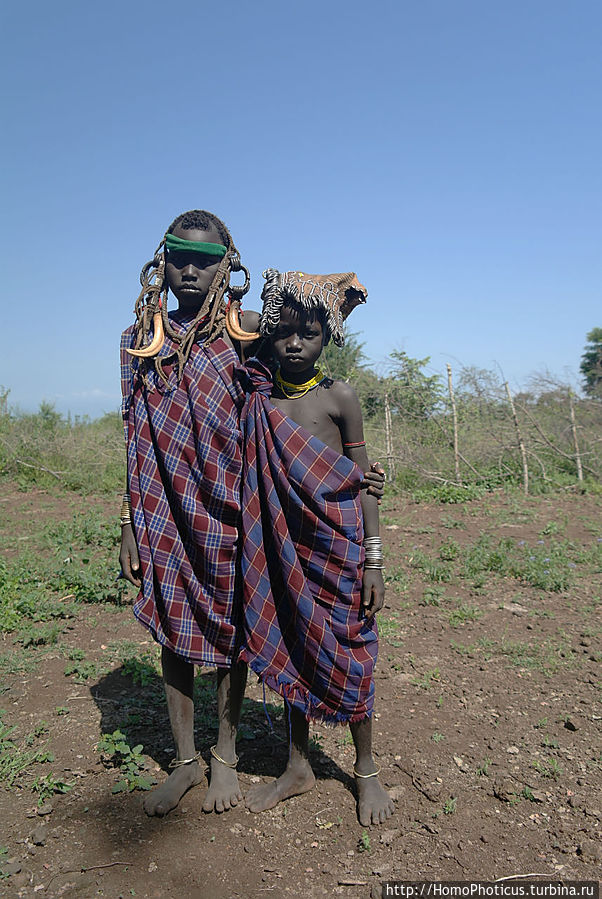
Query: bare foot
x=224, y=790
x=166, y=797
x=374, y=805
x=296, y=779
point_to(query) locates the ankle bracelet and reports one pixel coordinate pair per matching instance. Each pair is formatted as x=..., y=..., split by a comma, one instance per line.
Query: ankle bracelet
x=222, y=761
x=177, y=763
x=364, y=776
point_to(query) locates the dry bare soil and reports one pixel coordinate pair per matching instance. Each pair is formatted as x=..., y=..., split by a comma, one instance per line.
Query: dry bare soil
x=487, y=725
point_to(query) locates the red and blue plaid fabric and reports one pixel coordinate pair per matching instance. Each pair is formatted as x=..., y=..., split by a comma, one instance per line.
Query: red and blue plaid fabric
x=302, y=561
x=184, y=468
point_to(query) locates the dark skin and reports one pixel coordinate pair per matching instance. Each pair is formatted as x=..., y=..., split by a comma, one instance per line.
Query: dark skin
x=189, y=276
x=331, y=412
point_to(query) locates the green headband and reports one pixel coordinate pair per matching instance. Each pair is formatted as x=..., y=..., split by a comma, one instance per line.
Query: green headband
x=195, y=246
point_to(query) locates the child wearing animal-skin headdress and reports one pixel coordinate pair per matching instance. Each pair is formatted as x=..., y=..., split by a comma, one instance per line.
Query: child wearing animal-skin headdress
x=311, y=553
x=181, y=513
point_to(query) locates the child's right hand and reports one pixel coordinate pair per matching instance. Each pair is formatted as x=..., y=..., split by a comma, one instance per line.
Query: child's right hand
x=373, y=591
x=128, y=556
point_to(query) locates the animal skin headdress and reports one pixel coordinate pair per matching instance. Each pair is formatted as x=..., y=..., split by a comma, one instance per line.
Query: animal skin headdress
x=337, y=295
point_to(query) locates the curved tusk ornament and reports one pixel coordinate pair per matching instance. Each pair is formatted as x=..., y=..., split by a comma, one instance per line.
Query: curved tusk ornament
x=234, y=329
x=156, y=343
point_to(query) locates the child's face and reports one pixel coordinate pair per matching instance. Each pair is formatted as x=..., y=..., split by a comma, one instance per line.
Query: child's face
x=189, y=275
x=298, y=341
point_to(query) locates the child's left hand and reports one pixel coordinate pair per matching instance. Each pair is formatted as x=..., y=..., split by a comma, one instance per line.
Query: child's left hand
x=374, y=481
x=373, y=591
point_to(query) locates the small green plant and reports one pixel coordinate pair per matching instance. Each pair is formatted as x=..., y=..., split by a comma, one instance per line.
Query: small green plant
x=427, y=679
x=436, y=570
x=16, y=758
x=61, y=710
x=551, y=528
x=388, y=629
x=550, y=742
x=396, y=579
x=47, y=785
x=316, y=742
x=140, y=671
x=541, y=723
x=116, y=753
x=448, y=521
x=3, y=859
x=432, y=596
x=528, y=794
x=364, y=844
x=449, y=550
x=34, y=634
x=483, y=770
x=81, y=671
x=39, y=730
x=449, y=806
x=437, y=737
x=463, y=613
x=548, y=768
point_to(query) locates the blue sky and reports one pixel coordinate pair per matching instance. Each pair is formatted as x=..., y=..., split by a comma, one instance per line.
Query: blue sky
x=448, y=152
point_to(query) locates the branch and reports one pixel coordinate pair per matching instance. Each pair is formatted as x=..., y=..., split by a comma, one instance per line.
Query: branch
x=55, y=474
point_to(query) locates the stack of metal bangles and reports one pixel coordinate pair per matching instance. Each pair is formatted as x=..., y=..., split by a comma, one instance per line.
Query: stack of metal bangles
x=125, y=516
x=374, y=552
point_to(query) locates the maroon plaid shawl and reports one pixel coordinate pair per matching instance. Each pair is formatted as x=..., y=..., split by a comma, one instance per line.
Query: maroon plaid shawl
x=184, y=468
x=302, y=560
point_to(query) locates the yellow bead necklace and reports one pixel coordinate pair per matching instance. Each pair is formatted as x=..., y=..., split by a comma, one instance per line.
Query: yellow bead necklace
x=296, y=391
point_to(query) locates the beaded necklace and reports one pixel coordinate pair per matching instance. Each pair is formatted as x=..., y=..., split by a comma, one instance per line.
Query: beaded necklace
x=296, y=391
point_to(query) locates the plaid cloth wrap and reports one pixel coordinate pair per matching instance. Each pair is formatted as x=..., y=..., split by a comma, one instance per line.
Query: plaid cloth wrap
x=302, y=562
x=184, y=467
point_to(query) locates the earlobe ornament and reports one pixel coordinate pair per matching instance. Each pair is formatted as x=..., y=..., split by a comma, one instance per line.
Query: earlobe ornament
x=158, y=338
x=233, y=323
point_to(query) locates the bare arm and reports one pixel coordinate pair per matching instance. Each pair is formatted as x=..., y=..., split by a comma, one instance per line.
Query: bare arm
x=352, y=432
x=128, y=556
x=249, y=321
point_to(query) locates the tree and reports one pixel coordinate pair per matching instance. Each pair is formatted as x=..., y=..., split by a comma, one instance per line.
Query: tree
x=342, y=363
x=591, y=363
x=413, y=393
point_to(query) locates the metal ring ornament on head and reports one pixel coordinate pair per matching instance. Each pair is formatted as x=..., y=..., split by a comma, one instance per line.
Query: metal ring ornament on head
x=237, y=292
x=153, y=285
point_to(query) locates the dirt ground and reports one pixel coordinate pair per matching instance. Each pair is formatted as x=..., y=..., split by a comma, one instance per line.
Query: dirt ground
x=487, y=729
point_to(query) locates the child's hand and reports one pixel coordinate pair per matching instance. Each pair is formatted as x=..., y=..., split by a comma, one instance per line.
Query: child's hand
x=128, y=556
x=374, y=481
x=373, y=591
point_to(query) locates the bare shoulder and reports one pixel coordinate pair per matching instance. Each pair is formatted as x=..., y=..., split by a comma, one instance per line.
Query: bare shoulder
x=344, y=390
x=249, y=320
x=345, y=397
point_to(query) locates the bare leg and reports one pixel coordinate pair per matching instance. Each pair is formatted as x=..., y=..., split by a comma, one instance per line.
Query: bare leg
x=224, y=790
x=178, y=676
x=297, y=778
x=374, y=805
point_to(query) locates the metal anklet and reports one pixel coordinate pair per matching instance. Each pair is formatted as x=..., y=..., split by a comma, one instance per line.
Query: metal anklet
x=177, y=763
x=222, y=761
x=364, y=776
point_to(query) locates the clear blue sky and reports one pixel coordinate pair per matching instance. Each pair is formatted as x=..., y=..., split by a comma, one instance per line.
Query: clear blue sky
x=449, y=152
